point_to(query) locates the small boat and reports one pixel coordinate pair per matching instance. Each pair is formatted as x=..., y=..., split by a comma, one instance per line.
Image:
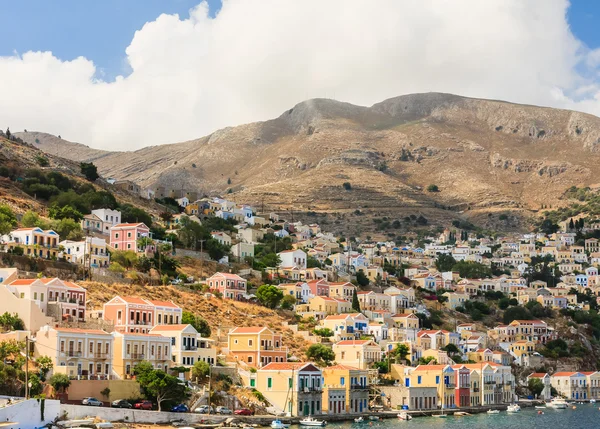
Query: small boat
x=493, y=411
x=557, y=403
x=359, y=420
x=278, y=424
x=539, y=407
x=374, y=418
x=311, y=421
x=404, y=416
x=513, y=408
x=592, y=401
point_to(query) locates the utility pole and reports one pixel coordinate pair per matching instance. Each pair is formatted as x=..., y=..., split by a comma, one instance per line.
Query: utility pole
x=27, y=367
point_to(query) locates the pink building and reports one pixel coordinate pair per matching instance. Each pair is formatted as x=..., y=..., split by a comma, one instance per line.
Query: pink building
x=124, y=236
x=229, y=285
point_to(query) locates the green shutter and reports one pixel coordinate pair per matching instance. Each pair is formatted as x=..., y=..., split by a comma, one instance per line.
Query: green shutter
x=269, y=382
x=252, y=383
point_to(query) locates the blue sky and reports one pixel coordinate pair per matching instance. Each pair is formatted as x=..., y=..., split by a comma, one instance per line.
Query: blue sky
x=98, y=30
x=101, y=30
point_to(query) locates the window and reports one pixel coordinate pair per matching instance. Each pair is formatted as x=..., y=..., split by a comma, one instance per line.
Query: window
x=22, y=295
x=128, y=348
x=269, y=383
x=290, y=382
x=437, y=379
x=342, y=381
x=34, y=295
x=42, y=297
x=250, y=342
x=172, y=341
x=62, y=346
x=249, y=359
x=116, y=236
x=91, y=347
x=253, y=383
x=106, y=348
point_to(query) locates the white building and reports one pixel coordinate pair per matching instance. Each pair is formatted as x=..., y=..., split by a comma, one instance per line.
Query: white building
x=293, y=258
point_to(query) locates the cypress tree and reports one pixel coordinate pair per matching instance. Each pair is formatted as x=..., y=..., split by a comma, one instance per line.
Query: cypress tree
x=355, y=303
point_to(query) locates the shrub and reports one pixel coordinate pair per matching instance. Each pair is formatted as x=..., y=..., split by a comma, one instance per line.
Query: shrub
x=433, y=188
x=42, y=161
x=347, y=186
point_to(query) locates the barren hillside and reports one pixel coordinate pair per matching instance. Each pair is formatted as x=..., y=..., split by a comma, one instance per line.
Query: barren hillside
x=485, y=156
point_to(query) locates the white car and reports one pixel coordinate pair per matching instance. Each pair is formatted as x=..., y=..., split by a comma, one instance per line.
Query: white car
x=224, y=410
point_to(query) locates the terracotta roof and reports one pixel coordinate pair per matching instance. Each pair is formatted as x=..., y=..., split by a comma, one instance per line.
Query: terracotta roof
x=588, y=372
x=82, y=331
x=129, y=225
x=73, y=285
x=337, y=317
x=430, y=367
x=344, y=367
x=537, y=375
x=247, y=330
x=563, y=374
x=404, y=315
x=134, y=300
x=23, y=282
x=227, y=276
x=163, y=303
x=352, y=342
x=179, y=327
x=283, y=366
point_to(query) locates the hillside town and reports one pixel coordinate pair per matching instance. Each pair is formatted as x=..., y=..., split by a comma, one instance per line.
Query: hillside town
x=447, y=321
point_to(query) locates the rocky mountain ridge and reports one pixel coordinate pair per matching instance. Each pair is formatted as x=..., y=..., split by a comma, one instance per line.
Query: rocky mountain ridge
x=485, y=156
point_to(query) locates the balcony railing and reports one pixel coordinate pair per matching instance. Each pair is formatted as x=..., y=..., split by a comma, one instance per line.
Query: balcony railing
x=358, y=387
x=312, y=389
x=137, y=356
x=450, y=386
x=99, y=355
x=139, y=322
x=476, y=389
x=190, y=348
x=71, y=353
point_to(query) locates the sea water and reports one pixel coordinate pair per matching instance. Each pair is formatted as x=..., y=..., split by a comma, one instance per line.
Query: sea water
x=585, y=416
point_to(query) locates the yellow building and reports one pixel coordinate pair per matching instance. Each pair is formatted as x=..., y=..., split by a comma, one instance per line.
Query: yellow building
x=441, y=377
x=349, y=383
x=292, y=387
x=130, y=349
x=357, y=353
x=324, y=304
x=455, y=299
x=522, y=348
x=82, y=353
x=256, y=346
x=187, y=345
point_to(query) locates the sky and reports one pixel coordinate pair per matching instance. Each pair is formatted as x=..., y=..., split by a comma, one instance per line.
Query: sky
x=125, y=74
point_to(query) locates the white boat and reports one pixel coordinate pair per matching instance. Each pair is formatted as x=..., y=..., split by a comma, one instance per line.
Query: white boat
x=592, y=401
x=513, y=408
x=493, y=412
x=374, y=418
x=404, y=416
x=440, y=416
x=539, y=407
x=311, y=421
x=557, y=403
x=278, y=424
x=359, y=420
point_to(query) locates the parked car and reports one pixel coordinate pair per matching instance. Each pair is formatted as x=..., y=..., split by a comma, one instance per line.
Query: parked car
x=243, y=412
x=93, y=402
x=223, y=410
x=120, y=403
x=143, y=405
x=205, y=409
x=181, y=408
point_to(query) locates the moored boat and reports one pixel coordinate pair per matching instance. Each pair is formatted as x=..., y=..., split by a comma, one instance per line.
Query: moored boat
x=404, y=416
x=311, y=421
x=359, y=420
x=557, y=403
x=278, y=424
x=513, y=408
x=493, y=411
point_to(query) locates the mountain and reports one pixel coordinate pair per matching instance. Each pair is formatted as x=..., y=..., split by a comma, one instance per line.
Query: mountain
x=485, y=156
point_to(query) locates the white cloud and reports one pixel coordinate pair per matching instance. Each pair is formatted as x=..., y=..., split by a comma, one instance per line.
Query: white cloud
x=258, y=58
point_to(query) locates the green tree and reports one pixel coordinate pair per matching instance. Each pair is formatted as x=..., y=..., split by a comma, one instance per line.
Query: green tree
x=427, y=360
x=44, y=366
x=320, y=354
x=59, y=382
x=89, y=170
x=472, y=270
x=131, y=214
x=160, y=386
x=288, y=302
x=445, y=262
x=535, y=386
x=362, y=279
x=32, y=220
x=65, y=212
x=269, y=295
x=323, y=332
x=67, y=228
x=516, y=313
x=451, y=349
x=8, y=220
x=125, y=258
x=400, y=352
x=433, y=188
x=355, y=302
x=312, y=262
x=198, y=322
x=200, y=371
x=11, y=322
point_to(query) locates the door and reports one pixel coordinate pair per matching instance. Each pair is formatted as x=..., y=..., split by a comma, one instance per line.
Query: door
x=306, y=410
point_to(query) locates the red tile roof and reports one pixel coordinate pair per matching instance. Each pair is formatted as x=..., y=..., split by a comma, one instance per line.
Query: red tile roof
x=285, y=366
x=563, y=374
x=344, y=367
x=179, y=327
x=82, y=331
x=352, y=342
x=163, y=303
x=537, y=375
x=248, y=330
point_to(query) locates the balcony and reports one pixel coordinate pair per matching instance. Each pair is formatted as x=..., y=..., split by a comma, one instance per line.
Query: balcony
x=71, y=353
x=358, y=387
x=137, y=356
x=476, y=389
x=161, y=357
x=450, y=386
x=309, y=390
x=139, y=322
x=81, y=303
x=489, y=382
x=189, y=348
x=99, y=355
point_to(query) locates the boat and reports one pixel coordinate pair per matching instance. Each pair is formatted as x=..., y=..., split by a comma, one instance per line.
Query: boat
x=359, y=420
x=440, y=416
x=539, y=407
x=278, y=424
x=557, y=403
x=592, y=401
x=374, y=418
x=513, y=408
x=311, y=421
x=493, y=411
x=404, y=416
